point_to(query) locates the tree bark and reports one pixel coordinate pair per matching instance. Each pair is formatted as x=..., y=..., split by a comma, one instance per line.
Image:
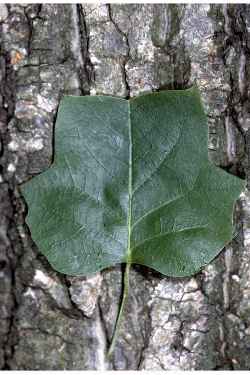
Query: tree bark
x=50, y=321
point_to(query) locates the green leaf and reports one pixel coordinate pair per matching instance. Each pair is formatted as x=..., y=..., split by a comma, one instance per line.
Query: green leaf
x=131, y=182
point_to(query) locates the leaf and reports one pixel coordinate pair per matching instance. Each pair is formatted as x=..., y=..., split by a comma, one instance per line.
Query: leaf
x=131, y=182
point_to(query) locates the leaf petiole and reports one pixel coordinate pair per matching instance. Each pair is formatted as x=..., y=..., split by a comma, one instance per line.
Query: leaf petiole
x=121, y=310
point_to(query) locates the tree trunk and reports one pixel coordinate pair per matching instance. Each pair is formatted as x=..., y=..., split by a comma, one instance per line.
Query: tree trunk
x=50, y=321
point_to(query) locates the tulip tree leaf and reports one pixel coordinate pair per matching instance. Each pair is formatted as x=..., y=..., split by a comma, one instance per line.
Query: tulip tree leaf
x=131, y=183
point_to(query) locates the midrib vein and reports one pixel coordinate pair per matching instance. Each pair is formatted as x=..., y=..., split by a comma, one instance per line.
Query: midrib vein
x=130, y=181
x=129, y=253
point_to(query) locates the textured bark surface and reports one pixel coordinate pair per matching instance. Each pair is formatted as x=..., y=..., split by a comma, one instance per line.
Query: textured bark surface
x=50, y=321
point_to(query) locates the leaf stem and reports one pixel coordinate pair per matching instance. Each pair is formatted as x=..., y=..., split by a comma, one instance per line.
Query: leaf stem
x=122, y=305
x=125, y=283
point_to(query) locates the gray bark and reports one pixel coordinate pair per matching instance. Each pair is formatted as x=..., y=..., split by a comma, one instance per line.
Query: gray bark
x=50, y=321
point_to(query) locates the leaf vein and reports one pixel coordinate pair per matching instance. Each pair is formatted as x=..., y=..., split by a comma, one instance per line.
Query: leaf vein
x=158, y=166
x=167, y=234
x=155, y=209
